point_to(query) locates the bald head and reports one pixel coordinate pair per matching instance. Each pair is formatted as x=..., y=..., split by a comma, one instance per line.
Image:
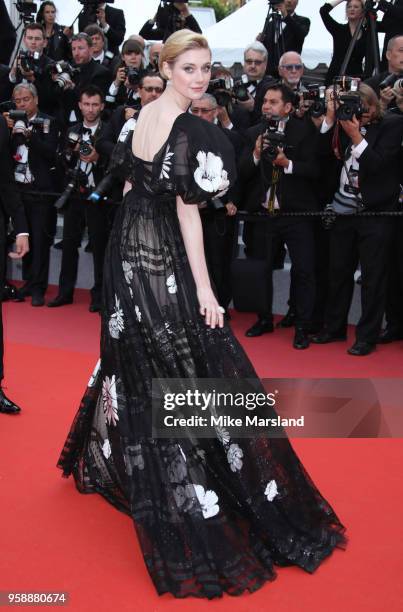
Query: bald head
x=394, y=55
x=291, y=68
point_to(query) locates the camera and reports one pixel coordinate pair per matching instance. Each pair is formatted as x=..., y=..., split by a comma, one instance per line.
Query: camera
x=27, y=11
x=274, y=135
x=77, y=179
x=74, y=139
x=389, y=81
x=22, y=123
x=348, y=96
x=30, y=62
x=240, y=88
x=133, y=75
x=221, y=89
x=64, y=73
x=316, y=96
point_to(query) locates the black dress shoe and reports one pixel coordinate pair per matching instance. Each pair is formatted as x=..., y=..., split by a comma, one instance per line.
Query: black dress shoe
x=6, y=405
x=360, y=349
x=288, y=320
x=59, y=300
x=262, y=326
x=9, y=292
x=325, y=337
x=37, y=299
x=301, y=339
x=21, y=294
x=94, y=307
x=389, y=335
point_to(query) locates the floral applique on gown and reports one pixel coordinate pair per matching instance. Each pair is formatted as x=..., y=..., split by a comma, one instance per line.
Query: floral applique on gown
x=212, y=517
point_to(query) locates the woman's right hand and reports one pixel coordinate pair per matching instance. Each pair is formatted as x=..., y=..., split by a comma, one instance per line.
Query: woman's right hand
x=210, y=309
x=120, y=76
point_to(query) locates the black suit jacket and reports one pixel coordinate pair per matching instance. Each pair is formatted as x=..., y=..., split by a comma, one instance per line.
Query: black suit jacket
x=10, y=201
x=8, y=36
x=42, y=155
x=379, y=164
x=150, y=33
x=109, y=135
x=295, y=192
x=90, y=74
x=292, y=39
x=115, y=18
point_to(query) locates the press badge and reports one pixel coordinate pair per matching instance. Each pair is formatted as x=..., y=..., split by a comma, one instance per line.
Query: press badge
x=353, y=185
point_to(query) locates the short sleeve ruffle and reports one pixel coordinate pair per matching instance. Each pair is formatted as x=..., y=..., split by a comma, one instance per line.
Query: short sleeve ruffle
x=202, y=158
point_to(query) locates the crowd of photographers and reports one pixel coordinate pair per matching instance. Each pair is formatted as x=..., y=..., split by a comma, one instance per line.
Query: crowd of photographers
x=70, y=102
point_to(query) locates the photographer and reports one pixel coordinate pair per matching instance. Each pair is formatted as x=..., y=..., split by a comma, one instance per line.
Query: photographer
x=111, y=21
x=154, y=55
x=86, y=170
x=89, y=73
x=126, y=79
x=57, y=43
x=32, y=66
x=255, y=65
x=383, y=83
x=151, y=85
x=171, y=16
x=365, y=177
x=10, y=206
x=279, y=168
x=217, y=215
x=99, y=53
x=294, y=30
x=391, y=24
x=33, y=141
x=342, y=35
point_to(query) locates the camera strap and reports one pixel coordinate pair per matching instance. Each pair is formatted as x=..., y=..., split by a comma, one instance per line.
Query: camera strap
x=275, y=177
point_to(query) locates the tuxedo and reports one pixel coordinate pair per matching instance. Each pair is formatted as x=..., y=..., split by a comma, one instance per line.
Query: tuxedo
x=295, y=192
x=368, y=240
x=10, y=206
x=39, y=209
x=115, y=18
x=295, y=29
x=98, y=217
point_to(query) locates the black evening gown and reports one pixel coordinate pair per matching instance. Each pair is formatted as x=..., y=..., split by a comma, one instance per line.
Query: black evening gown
x=212, y=516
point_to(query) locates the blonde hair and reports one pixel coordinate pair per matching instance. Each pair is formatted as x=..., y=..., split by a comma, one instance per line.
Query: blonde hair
x=179, y=42
x=368, y=95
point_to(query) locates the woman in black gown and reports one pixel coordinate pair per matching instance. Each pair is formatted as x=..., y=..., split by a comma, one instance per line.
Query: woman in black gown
x=57, y=47
x=342, y=33
x=212, y=515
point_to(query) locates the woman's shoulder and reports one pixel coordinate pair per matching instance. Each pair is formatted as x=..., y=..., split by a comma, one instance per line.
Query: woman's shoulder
x=202, y=134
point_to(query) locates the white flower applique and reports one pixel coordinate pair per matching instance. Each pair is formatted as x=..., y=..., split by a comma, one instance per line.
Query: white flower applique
x=210, y=175
x=208, y=501
x=91, y=381
x=166, y=164
x=110, y=400
x=271, y=490
x=127, y=271
x=106, y=449
x=138, y=313
x=116, y=322
x=234, y=457
x=171, y=284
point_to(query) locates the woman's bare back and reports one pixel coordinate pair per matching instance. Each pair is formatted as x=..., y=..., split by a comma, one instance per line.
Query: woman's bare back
x=153, y=128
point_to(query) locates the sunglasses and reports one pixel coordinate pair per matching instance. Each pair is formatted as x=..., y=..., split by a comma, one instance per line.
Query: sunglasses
x=292, y=66
x=251, y=61
x=150, y=89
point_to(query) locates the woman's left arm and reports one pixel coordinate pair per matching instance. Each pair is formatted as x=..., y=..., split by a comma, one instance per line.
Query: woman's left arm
x=192, y=233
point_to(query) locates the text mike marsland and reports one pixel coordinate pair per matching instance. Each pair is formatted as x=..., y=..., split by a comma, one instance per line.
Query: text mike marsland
x=229, y=421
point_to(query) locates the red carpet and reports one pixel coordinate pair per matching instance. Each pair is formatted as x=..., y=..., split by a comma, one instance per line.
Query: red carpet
x=54, y=539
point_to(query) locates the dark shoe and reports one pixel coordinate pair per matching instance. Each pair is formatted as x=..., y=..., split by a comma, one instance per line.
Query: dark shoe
x=360, y=349
x=325, y=337
x=6, y=405
x=37, y=299
x=95, y=307
x=262, y=326
x=288, y=320
x=22, y=293
x=58, y=245
x=301, y=339
x=59, y=300
x=389, y=335
x=9, y=292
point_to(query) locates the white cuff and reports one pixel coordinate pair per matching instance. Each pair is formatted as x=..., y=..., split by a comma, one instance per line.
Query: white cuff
x=335, y=2
x=290, y=167
x=106, y=28
x=325, y=127
x=358, y=150
x=229, y=126
x=113, y=90
x=12, y=79
x=256, y=161
x=22, y=234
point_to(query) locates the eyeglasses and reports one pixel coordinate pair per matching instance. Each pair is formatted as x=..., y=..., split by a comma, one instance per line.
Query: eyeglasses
x=150, y=89
x=252, y=61
x=292, y=66
x=203, y=111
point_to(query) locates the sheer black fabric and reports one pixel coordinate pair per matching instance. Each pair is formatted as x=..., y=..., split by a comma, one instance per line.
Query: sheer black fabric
x=212, y=516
